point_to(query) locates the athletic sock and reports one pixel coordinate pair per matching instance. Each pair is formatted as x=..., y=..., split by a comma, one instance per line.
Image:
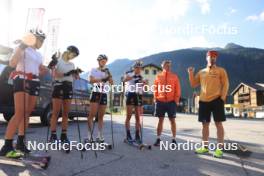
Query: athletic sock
x=53, y=135
x=9, y=143
x=90, y=129
x=137, y=134
x=64, y=135
x=100, y=133
x=20, y=139
x=89, y=134
x=128, y=133
x=158, y=137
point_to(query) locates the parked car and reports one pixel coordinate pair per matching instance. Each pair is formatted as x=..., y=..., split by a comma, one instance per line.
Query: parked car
x=79, y=106
x=149, y=109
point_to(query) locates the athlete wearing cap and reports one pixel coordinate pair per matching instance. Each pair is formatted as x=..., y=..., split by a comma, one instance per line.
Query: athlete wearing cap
x=134, y=83
x=214, y=84
x=99, y=77
x=28, y=63
x=64, y=74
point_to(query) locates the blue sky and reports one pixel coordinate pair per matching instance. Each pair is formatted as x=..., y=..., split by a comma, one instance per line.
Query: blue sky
x=249, y=31
x=137, y=28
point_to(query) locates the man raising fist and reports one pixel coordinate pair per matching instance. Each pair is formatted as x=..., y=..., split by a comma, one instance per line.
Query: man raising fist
x=214, y=84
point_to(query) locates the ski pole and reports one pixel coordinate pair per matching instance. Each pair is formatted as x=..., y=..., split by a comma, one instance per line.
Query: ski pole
x=91, y=130
x=47, y=137
x=51, y=66
x=140, y=118
x=111, y=106
x=24, y=96
x=78, y=125
x=111, y=117
x=139, y=108
x=52, y=89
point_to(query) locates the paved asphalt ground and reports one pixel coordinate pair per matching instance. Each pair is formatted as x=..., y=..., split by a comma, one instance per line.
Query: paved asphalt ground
x=127, y=160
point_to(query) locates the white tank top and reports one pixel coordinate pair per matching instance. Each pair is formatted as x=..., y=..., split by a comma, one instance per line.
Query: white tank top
x=134, y=85
x=64, y=67
x=30, y=62
x=98, y=74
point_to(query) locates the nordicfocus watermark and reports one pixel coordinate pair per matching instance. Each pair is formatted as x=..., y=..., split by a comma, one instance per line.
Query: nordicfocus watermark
x=34, y=145
x=139, y=87
x=190, y=145
x=191, y=29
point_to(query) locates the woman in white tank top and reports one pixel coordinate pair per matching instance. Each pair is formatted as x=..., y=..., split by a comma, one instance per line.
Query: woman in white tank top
x=64, y=74
x=98, y=101
x=28, y=63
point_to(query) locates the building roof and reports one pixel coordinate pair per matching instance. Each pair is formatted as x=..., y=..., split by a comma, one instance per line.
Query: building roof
x=147, y=65
x=255, y=86
x=260, y=84
x=152, y=65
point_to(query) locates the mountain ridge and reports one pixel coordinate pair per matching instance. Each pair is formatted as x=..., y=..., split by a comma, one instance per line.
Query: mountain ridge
x=243, y=64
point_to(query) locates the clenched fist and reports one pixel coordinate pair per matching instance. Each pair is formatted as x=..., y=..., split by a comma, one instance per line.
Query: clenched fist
x=190, y=70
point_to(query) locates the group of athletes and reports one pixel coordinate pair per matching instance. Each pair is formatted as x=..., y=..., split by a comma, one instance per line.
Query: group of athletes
x=28, y=65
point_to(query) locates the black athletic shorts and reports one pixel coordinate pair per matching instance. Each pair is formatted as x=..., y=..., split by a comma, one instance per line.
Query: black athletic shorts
x=62, y=90
x=98, y=97
x=133, y=99
x=161, y=108
x=216, y=107
x=32, y=87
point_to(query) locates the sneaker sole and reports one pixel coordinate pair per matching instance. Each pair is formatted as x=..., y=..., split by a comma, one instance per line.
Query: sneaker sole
x=218, y=157
x=201, y=153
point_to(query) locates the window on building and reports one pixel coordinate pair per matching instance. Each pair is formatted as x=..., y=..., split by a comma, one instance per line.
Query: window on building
x=146, y=72
x=154, y=72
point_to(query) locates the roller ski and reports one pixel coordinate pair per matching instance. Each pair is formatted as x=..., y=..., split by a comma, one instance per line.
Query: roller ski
x=140, y=146
x=42, y=159
x=99, y=141
x=42, y=163
x=140, y=142
x=133, y=143
x=33, y=159
x=136, y=143
x=26, y=154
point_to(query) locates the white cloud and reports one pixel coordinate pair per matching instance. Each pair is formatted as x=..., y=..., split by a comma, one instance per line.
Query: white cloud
x=231, y=11
x=259, y=17
x=205, y=6
x=252, y=18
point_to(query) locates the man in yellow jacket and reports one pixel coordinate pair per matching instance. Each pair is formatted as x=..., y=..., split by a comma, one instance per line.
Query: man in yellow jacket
x=167, y=96
x=214, y=88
